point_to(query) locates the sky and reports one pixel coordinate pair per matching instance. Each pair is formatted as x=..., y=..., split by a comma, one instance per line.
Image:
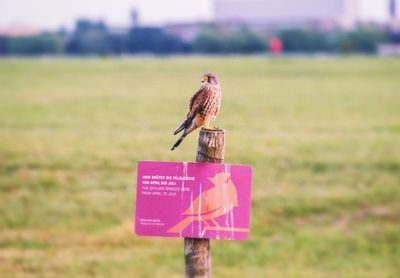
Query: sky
x=54, y=14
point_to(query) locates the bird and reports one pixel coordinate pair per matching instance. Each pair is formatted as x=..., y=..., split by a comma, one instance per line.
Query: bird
x=204, y=106
x=210, y=204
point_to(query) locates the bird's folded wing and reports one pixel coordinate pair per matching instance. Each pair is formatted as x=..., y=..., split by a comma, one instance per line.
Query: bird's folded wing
x=197, y=101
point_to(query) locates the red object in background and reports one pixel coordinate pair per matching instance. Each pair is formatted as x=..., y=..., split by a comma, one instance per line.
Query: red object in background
x=275, y=45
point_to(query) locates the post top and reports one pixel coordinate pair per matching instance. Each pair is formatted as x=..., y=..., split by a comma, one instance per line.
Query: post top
x=212, y=130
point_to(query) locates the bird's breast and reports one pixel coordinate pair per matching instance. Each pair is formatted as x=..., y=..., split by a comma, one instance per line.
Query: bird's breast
x=212, y=101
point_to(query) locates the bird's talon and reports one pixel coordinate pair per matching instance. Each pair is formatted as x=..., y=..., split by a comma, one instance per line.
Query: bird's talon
x=211, y=128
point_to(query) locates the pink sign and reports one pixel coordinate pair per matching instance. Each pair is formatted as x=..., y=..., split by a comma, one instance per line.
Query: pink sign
x=198, y=200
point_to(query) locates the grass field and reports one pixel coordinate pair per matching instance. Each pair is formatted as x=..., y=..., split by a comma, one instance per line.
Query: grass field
x=323, y=136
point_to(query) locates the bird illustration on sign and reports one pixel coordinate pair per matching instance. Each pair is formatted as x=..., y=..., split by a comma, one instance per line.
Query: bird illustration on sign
x=203, y=107
x=211, y=204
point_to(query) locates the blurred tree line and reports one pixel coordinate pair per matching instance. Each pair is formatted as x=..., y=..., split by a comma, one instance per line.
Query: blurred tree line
x=51, y=43
x=214, y=40
x=95, y=38
x=364, y=39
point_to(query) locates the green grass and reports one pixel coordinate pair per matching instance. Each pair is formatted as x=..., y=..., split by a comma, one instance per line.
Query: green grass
x=323, y=136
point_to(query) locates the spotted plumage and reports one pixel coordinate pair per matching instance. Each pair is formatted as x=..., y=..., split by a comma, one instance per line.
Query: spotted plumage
x=203, y=107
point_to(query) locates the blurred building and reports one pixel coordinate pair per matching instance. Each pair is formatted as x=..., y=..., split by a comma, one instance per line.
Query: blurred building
x=392, y=48
x=278, y=14
x=394, y=16
x=133, y=23
x=134, y=17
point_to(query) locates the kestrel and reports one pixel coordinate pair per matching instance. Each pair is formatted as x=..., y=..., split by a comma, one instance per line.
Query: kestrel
x=203, y=107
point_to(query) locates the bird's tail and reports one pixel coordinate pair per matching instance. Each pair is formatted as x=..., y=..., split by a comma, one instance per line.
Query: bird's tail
x=180, y=128
x=177, y=143
x=188, y=125
x=184, y=125
x=178, y=228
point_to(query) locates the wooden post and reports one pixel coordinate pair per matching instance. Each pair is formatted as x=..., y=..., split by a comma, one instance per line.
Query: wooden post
x=211, y=148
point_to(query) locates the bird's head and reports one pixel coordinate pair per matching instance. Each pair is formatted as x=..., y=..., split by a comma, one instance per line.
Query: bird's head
x=210, y=78
x=221, y=179
x=224, y=180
